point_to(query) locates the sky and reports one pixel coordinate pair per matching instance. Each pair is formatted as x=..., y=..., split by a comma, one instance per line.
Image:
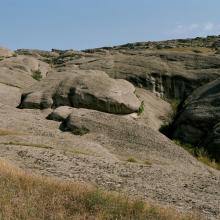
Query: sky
x=82, y=24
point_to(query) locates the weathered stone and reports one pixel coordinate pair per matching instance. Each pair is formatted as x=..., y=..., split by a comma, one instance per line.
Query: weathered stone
x=197, y=120
x=60, y=113
x=9, y=95
x=85, y=89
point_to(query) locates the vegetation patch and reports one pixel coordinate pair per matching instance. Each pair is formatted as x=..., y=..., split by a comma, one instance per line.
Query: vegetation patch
x=131, y=160
x=25, y=196
x=141, y=108
x=27, y=145
x=199, y=153
x=80, y=131
x=37, y=75
x=147, y=162
x=5, y=132
x=79, y=151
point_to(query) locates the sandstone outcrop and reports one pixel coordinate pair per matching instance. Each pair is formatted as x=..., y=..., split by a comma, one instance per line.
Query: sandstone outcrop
x=82, y=89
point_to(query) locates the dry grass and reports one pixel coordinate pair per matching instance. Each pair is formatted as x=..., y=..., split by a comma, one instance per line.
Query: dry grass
x=131, y=160
x=189, y=49
x=24, y=196
x=27, y=144
x=147, y=162
x=5, y=132
x=76, y=151
x=200, y=154
x=210, y=162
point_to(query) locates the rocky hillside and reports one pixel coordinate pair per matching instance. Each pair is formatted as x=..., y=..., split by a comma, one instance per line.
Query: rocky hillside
x=94, y=116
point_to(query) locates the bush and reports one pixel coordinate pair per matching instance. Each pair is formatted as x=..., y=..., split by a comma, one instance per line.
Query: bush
x=37, y=75
x=141, y=108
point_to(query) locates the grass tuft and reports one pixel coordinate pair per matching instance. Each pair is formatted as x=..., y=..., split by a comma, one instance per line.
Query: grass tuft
x=141, y=108
x=6, y=132
x=200, y=154
x=25, y=196
x=27, y=145
x=37, y=75
x=131, y=160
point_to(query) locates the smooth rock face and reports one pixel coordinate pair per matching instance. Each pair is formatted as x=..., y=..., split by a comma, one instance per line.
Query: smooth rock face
x=198, y=123
x=9, y=95
x=82, y=89
x=15, y=77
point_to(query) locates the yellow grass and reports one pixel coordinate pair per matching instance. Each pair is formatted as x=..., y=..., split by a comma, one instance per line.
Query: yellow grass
x=202, y=50
x=5, y=132
x=26, y=197
x=27, y=144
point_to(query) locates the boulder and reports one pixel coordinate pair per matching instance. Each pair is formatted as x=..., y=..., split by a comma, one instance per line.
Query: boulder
x=82, y=89
x=60, y=113
x=198, y=121
x=26, y=63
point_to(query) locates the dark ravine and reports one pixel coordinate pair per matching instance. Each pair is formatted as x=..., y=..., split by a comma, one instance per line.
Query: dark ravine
x=197, y=122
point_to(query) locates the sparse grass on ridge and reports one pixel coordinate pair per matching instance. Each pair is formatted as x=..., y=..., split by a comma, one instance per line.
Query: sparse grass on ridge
x=131, y=160
x=5, y=132
x=200, y=154
x=26, y=197
x=27, y=144
x=37, y=75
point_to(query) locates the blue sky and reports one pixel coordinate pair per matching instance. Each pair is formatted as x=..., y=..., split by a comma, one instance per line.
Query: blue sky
x=80, y=24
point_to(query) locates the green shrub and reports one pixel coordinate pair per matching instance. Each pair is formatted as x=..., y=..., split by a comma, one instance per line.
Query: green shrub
x=197, y=51
x=131, y=160
x=37, y=75
x=141, y=108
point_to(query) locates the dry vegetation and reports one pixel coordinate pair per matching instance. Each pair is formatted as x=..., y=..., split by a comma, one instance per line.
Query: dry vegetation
x=24, y=196
x=5, y=132
x=202, y=50
x=200, y=154
x=27, y=144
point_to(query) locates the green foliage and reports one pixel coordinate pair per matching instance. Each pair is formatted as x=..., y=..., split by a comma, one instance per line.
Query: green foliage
x=37, y=75
x=80, y=131
x=197, y=51
x=131, y=160
x=141, y=108
x=200, y=153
